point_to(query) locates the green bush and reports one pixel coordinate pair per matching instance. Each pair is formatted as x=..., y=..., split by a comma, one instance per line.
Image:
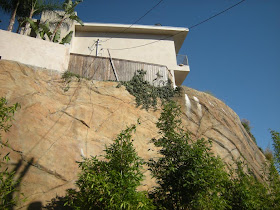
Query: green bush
x=7, y=182
x=246, y=125
x=273, y=172
x=245, y=191
x=111, y=183
x=187, y=173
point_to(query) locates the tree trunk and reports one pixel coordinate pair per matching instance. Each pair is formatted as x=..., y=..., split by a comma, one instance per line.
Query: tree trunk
x=27, y=25
x=13, y=17
x=56, y=29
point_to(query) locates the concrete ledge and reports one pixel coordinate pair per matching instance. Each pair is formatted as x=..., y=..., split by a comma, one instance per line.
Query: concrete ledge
x=32, y=51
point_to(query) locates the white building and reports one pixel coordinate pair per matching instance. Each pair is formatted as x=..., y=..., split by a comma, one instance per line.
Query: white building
x=130, y=46
x=150, y=44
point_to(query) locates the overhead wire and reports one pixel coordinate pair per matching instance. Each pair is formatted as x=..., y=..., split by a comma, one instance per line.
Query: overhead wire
x=193, y=26
x=136, y=20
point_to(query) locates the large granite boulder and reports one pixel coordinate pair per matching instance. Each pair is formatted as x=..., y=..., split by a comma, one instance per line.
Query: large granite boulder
x=60, y=122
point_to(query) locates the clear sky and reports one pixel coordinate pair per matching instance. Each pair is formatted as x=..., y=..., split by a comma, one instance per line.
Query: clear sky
x=236, y=55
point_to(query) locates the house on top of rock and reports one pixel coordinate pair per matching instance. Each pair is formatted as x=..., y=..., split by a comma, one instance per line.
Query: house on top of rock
x=151, y=48
x=116, y=51
x=102, y=51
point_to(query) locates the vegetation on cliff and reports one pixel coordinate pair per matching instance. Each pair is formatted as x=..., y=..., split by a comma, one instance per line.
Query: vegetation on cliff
x=246, y=125
x=7, y=181
x=111, y=182
x=147, y=95
x=188, y=174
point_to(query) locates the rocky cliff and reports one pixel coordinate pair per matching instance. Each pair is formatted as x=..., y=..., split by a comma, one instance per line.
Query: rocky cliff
x=58, y=123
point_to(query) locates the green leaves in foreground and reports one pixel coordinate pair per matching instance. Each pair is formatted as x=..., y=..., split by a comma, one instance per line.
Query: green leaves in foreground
x=7, y=182
x=188, y=175
x=111, y=183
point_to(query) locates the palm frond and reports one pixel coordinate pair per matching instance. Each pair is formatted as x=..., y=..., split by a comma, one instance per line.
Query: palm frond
x=67, y=39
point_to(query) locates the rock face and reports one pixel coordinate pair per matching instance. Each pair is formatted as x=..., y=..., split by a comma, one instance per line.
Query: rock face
x=58, y=123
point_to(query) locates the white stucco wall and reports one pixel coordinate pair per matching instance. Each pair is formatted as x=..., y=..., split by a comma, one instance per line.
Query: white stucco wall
x=162, y=52
x=33, y=51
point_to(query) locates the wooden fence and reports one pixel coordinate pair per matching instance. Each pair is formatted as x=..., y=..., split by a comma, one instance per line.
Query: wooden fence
x=100, y=68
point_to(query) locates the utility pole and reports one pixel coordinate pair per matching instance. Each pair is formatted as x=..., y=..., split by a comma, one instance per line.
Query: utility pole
x=97, y=43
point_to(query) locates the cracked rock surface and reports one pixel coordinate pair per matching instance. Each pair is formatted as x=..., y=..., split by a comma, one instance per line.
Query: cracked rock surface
x=56, y=126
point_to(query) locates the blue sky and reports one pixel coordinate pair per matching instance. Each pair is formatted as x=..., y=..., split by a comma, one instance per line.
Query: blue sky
x=236, y=55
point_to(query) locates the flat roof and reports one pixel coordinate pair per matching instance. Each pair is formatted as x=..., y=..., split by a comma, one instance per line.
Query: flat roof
x=179, y=33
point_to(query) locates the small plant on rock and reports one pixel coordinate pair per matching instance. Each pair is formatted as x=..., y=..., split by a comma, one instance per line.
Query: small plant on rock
x=246, y=125
x=67, y=77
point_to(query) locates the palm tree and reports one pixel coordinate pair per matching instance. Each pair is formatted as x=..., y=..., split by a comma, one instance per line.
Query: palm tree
x=68, y=13
x=10, y=6
x=26, y=8
x=36, y=7
x=50, y=27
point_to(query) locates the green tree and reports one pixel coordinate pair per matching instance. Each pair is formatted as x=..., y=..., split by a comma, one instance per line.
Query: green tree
x=45, y=31
x=187, y=173
x=111, y=183
x=273, y=171
x=36, y=7
x=11, y=7
x=26, y=8
x=244, y=191
x=276, y=147
x=7, y=183
x=68, y=13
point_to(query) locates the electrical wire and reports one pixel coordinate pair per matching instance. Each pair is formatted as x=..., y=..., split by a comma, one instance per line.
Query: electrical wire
x=137, y=20
x=193, y=26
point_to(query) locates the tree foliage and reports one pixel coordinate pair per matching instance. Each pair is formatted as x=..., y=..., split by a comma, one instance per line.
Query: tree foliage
x=7, y=182
x=244, y=191
x=26, y=8
x=188, y=174
x=111, y=183
x=273, y=171
x=68, y=13
x=31, y=8
x=45, y=31
x=276, y=147
x=10, y=7
x=246, y=124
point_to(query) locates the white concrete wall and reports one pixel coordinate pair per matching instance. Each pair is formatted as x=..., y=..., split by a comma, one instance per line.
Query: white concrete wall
x=33, y=51
x=162, y=52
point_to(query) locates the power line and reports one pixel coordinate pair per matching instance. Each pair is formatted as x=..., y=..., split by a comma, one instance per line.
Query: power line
x=193, y=26
x=137, y=20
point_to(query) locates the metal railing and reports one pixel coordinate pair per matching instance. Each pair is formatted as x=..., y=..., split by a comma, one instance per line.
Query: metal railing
x=182, y=60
